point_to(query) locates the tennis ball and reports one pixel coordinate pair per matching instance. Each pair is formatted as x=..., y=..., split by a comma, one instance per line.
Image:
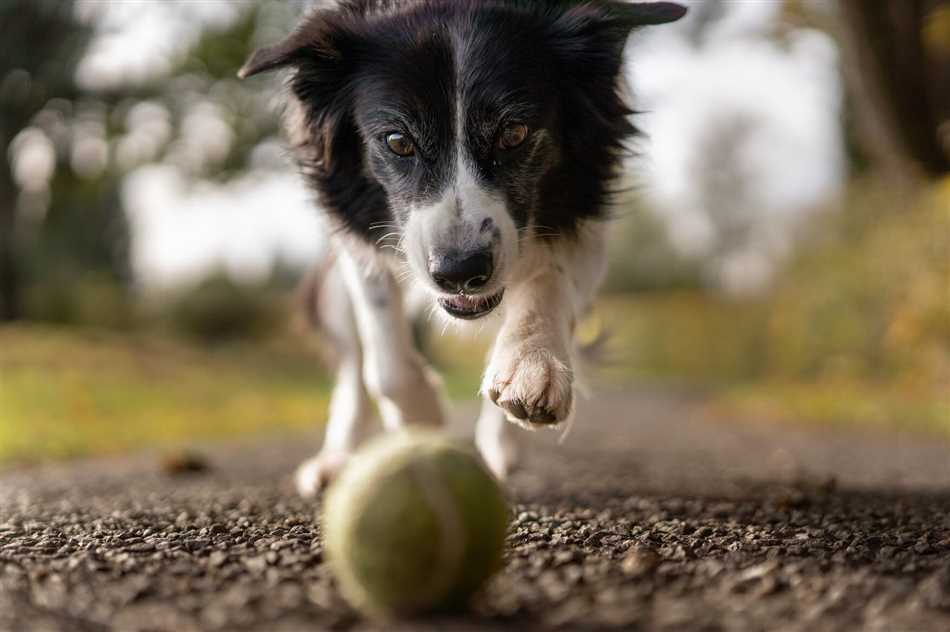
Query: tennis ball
x=414, y=523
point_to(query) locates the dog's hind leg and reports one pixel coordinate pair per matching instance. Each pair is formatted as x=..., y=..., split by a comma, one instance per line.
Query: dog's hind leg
x=406, y=390
x=325, y=298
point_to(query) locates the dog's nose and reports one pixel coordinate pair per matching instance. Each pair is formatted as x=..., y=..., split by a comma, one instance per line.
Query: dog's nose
x=462, y=271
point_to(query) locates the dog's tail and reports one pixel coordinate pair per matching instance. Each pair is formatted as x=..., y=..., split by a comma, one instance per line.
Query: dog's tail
x=596, y=351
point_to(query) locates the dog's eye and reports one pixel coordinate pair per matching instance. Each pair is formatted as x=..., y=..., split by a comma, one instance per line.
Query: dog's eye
x=400, y=144
x=512, y=136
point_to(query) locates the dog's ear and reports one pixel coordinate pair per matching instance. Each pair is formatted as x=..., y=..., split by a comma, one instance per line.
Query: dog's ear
x=271, y=58
x=318, y=39
x=597, y=32
x=587, y=44
x=323, y=52
x=605, y=26
x=637, y=14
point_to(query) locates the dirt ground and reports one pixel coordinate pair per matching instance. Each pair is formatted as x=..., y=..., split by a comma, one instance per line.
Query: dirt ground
x=652, y=514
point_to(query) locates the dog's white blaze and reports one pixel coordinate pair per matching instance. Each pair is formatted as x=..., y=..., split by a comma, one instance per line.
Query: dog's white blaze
x=455, y=223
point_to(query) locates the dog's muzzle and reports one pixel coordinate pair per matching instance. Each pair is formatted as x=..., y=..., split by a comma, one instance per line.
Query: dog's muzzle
x=464, y=275
x=471, y=307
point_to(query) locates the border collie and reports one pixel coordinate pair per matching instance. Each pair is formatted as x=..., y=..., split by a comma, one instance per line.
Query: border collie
x=465, y=148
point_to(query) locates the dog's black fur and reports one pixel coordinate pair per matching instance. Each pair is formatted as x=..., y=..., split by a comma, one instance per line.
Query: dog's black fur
x=367, y=68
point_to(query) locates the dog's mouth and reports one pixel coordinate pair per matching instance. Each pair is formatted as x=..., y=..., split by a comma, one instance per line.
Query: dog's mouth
x=470, y=307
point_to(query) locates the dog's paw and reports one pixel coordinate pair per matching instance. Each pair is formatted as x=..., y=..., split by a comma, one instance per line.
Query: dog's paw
x=314, y=474
x=531, y=385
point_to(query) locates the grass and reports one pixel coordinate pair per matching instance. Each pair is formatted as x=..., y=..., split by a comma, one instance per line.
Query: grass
x=68, y=392
x=732, y=350
x=65, y=392
x=883, y=406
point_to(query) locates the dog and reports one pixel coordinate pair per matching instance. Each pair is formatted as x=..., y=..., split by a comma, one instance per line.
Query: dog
x=465, y=149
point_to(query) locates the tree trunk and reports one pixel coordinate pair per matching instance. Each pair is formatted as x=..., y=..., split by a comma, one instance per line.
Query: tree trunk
x=9, y=275
x=900, y=78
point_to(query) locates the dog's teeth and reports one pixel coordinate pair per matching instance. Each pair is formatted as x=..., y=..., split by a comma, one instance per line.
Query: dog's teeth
x=470, y=307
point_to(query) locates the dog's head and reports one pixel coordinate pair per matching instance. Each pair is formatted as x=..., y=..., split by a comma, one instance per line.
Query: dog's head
x=461, y=128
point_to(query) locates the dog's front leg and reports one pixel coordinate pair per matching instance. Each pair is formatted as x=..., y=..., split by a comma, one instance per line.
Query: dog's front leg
x=329, y=301
x=530, y=373
x=405, y=388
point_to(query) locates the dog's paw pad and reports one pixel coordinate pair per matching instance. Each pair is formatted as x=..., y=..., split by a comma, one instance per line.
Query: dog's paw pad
x=534, y=387
x=314, y=474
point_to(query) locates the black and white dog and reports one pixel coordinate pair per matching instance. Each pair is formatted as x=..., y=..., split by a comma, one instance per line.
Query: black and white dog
x=470, y=144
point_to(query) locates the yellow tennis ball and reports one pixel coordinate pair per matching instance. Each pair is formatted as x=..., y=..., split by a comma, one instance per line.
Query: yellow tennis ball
x=414, y=523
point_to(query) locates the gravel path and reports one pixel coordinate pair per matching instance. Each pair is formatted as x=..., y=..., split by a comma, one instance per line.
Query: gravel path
x=652, y=515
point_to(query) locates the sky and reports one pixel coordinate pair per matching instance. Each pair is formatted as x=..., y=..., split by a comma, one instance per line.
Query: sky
x=784, y=98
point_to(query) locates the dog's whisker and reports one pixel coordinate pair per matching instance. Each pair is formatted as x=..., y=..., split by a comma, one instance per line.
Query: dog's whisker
x=378, y=225
x=539, y=230
x=432, y=313
x=386, y=236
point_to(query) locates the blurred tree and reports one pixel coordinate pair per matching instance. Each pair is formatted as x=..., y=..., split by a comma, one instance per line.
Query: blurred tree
x=40, y=43
x=898, y=66
x=72, y=227
x=206, y=77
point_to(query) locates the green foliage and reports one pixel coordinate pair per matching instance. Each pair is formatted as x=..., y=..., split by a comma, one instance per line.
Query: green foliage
x=84, y=231
x=857, y=328
x=77, y=226
x=687, y=336
x=220, y=310
x=40, y=45
x=87, y=300
x=642, y=259
x=76, y=266
x=871, y=299
x=220, y=53
x=211, y=67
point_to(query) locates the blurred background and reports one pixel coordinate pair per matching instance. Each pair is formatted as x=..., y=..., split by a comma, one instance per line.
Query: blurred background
x=784, y=251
